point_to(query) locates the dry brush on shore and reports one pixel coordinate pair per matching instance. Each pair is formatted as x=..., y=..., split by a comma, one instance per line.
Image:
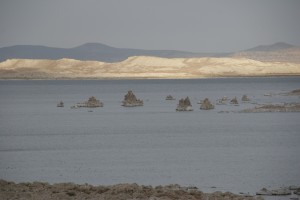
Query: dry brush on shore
x=39, y=190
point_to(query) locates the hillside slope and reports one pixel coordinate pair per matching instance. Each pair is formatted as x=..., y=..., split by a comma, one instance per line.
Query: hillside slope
x=144, y=67
x=278, y=52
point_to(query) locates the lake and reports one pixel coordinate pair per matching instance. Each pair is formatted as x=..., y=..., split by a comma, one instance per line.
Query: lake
x=153, y=144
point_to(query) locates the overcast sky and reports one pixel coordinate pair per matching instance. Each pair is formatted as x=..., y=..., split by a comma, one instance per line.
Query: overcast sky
x=192, y=25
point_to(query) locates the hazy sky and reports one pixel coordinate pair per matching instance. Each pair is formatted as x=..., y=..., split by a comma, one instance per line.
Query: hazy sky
x=193, y=25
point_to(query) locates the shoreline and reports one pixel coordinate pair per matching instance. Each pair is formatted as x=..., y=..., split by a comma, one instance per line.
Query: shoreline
x=133, y=191
x=44, y=190
x=145, y=78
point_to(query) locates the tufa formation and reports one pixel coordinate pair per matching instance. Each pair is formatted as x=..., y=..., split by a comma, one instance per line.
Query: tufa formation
x=245, y=98
x=234, y=101
x=130, y=100
x=184, y=105
x=206, y=105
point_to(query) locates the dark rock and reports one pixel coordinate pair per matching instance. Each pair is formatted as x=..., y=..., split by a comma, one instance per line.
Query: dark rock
x=92, y=102
x=293, y=93
x=169, y=97
x=276, y=192
x=264, y=191
x=234, y=101
x=60, y=104
x=206, y=105
x=184, y=105
x=296, y=92
x=294, y=187
x=281, y=191
x=130, y=100
x=297, y=192
x=222, y=111
x=245, y=98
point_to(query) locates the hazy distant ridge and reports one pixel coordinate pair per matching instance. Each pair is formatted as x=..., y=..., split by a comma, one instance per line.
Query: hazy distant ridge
x=281, y=52
x=90, y=51
x=278, y=52
x=273, y=47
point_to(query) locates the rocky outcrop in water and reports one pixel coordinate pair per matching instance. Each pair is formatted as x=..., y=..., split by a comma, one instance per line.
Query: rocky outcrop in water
x=130, y=100
x=92, y=102
x=292, y=107
x=245, y=98
x=297, y=191
x=293, y=93
x=234, y=101
x=60, y=104
x=276, y=192
x=184, y=105
x=170, y=97
x=206, y=105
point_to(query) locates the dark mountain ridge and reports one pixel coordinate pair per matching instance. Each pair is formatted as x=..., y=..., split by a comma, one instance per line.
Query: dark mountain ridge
x=91, y=51
x=105, y=53
x=278, y=52
x=273, y=47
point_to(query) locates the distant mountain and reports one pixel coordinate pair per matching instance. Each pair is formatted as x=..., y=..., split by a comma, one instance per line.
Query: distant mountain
x=273, y=47
x=91, y=51
x=278, y=52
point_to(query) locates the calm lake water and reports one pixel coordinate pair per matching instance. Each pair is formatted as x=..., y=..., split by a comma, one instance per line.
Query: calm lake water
x=153, y=144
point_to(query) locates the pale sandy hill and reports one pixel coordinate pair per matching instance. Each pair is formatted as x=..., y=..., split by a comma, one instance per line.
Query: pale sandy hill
x=144, y=67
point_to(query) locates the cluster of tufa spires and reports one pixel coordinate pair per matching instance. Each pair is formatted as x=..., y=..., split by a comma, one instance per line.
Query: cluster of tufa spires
x=184, y=105
x=130, y=100
x=92, y=102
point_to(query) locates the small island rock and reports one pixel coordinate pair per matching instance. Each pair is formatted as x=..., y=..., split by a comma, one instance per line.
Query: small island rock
x=245, y=98
x=206, y=105
x=276, y=192
x=170, y=97
x=130, y=100
x=60, y=104
x=92, y=102
x=184, y=105
x=234, y=101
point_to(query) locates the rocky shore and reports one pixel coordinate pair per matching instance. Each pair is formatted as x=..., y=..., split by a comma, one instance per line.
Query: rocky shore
x=39, y=190
x=287, y=107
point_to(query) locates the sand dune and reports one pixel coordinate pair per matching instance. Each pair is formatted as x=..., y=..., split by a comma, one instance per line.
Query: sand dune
x=144, y=67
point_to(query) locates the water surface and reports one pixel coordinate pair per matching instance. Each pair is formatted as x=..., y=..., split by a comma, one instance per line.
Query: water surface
x=153, y=144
